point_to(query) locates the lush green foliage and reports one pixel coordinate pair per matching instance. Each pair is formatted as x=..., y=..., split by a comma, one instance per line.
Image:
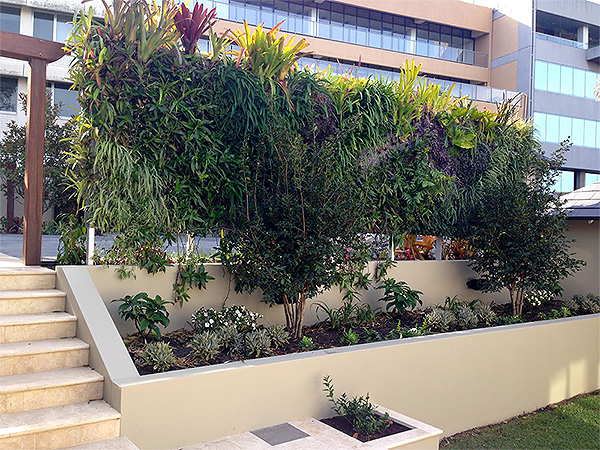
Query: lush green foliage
x=358, y=411
x=399, y=296
x=296, y=167
x=520, y=233
x=146, y=312
x=56, y=147
x=71, y=244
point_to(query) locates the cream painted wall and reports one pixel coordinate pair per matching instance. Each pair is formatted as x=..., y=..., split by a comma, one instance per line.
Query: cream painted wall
x=587, y=248
x=436, y=279
x=505, y=76
x=454, y=382
x=505, y=37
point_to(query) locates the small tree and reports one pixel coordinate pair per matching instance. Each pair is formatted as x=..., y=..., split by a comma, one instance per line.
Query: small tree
x=12, y=160
x=520, y=226
x=301, y=223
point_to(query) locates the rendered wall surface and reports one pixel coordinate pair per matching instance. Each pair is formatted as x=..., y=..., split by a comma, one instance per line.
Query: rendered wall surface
x=436, y=279
x=587, y=248
x=453, y=382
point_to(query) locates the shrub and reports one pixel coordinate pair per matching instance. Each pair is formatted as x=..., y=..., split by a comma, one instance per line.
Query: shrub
x=206, y=345
x=231, y=340
x=358, y=411
x=159, y=355
x=258, y=343
x=537, y=297
x=439, y=320
x=279, y=336
x=399, y=296
x=485, y=314
x=146, y=312
x=206, y=319
x=555, y=314
x=306, y=343
x=466, y=318
x=242, y=319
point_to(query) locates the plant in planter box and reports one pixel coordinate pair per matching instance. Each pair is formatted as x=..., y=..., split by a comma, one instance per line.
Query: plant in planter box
x=358, y=411
x=399, y=296
x=145, y=311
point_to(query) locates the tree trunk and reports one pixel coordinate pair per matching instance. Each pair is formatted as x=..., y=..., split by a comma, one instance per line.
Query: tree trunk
x=294, y=314
x=10, y=206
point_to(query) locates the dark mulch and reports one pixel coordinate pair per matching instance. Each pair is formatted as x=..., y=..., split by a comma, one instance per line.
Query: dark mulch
x=322, y=335
x=340, y=423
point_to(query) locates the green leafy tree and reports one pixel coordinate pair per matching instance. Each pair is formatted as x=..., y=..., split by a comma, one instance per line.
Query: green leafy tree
x=301, y=223
x=56, y=145
x=520, y=227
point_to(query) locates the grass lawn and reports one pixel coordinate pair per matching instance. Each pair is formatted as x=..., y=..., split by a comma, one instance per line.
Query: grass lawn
x=572, y=424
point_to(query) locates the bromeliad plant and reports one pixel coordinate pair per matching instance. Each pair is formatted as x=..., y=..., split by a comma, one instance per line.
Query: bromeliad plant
x=192, y=25
x=266, y=54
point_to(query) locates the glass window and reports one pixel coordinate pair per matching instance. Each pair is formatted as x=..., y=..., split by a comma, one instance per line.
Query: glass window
x=551, y=128
x=553, y=78
x=565, y=124
x=374, y=39
x=64, y=24
x=566, y=80
x=591, y=178
x=565, y=181
x=280, y=6
x=589, y=133
x=541, y=75
x=539, y=120
x=577, y=136
x=8, y=94
x=43, y=25
x=578, y=82
x=10, y=19
x=590, y=83
x=251, y=16
x=67, y=98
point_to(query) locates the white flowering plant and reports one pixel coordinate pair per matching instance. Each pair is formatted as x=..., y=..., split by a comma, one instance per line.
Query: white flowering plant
x=536, y=297
x=209, y=319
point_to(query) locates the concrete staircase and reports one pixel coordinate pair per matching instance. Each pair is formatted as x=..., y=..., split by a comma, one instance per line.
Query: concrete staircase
x=49, y=397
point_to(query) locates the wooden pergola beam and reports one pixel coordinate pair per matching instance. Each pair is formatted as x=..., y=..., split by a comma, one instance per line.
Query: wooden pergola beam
x=38, y=52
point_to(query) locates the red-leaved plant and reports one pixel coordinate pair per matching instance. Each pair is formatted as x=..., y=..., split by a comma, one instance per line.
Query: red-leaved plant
x=194, y=24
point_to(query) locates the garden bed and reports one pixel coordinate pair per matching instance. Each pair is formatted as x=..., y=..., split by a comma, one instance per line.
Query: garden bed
x=322, y=335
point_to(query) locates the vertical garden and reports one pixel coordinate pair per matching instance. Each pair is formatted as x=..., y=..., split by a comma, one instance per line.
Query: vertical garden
x=295, y=168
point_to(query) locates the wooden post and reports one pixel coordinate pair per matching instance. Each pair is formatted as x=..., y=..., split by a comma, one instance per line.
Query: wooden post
x=34, y=163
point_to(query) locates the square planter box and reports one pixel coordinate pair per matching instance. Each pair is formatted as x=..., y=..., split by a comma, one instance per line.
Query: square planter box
x=314, y=434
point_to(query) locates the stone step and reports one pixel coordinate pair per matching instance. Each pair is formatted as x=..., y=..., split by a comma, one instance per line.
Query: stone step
x=51, y=388
x=39, y=356
x=31, y=301
x=35, y=327
x=121, y=443
x=59, y=426
x=21, y=278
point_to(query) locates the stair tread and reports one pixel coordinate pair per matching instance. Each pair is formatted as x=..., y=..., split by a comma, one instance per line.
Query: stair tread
x=12, y=271
x=120, y=443
x=49, y=378
x=25, y=422
x=30, y=293
x=42, y=346
x=35, y=318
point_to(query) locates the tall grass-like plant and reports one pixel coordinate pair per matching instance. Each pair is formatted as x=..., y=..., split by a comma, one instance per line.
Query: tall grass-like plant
x=192, y=25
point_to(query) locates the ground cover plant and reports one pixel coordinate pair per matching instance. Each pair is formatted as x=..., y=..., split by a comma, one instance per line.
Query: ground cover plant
x=573, y=424
x=295, y=169
x=235, y=334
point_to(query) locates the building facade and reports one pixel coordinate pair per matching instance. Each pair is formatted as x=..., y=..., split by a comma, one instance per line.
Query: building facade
x=546, y=49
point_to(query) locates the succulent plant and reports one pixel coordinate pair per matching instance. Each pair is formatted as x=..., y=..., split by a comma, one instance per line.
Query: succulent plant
x=231, y=340
x=350, y=337
x=440, y=320
x=279, y=336
x=159, y=355
x=572, y=305
x=484, y=313
x=258, y=343
x=306, y=343
x=466, y=317
x=205, y=345
x=588, y=305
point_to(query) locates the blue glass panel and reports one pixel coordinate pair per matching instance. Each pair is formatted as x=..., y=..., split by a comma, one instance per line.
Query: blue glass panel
x=64, y=25
x=566, y=80
x=590, y=83
x=565, y=128
x=553, y=78
x=541, y=76
x=577, y=136
x=579, y=82
x=589, y=134
x=10, y=19
x=539, y=120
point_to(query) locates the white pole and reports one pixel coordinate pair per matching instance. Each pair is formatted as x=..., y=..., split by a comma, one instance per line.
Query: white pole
x=90, y=246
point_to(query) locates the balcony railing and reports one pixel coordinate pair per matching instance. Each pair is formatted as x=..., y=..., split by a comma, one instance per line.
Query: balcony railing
x=561, y=41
